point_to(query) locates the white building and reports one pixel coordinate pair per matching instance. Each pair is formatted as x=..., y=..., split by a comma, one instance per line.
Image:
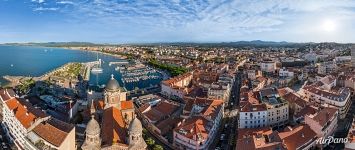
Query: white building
x=324, y=92
x=326, y=67
x=268, y=66
x=219, y=91
x=283, y=72
x=323, y=123
x=30, y=128
x=253, y=116
x=277, y=107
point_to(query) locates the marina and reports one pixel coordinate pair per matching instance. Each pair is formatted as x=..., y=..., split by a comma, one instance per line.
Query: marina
x=136, y=72
x=45, y=63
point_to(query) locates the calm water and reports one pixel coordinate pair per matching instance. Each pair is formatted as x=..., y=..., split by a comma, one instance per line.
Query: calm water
x=35, y=61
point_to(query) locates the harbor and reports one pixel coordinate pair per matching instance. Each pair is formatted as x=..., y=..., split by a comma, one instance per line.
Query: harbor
x=136, y=72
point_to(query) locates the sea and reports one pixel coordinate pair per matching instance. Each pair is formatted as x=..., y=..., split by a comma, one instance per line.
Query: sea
x=36, y=61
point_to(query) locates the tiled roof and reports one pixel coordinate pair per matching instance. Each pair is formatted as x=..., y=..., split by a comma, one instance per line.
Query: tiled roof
x=306, y=111
x=324, y=115
x=293, y=98
x=260, y=139
x=194, y=127
x=127, y=105
x=298, y=136
x=53, y=131
x=113, y=127
x=248, y=107
x=24, y=111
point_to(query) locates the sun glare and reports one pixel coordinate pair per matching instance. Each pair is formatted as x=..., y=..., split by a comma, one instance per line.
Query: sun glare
x=329, y=25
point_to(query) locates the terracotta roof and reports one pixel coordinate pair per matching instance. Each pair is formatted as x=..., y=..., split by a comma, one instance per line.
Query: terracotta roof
x=248, y=107
x=127, y=105
x=194, y=126
x=113, y=127
x=154, y=115
x=260, y=139
x=294, y=99
x=172, y=81
x=298, y=136
x=24, y=111
x=324, y=115
x=165, y=107
x=53, y=131
x=306, y=111
x=144, y=107
x=168, y=125
x=160, y=111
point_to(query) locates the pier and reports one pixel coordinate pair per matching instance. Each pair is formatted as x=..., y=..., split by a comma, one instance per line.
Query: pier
x=119, y=63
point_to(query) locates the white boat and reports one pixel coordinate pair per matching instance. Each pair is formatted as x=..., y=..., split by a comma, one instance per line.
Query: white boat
x=97, y=69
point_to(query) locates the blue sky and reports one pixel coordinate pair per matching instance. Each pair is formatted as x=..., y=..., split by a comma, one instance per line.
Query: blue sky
x=144, y=21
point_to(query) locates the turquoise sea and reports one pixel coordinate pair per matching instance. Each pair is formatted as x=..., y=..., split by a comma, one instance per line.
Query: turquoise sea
x=35, y=61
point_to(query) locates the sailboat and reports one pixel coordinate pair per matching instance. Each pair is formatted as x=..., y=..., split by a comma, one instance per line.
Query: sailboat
x=97, y=69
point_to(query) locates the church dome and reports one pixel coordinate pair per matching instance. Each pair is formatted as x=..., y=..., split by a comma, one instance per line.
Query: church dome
x=112, y=85
x=135, y=126
x=93, y=127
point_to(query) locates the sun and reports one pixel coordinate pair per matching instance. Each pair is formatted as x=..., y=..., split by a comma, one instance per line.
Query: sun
x=329, y=25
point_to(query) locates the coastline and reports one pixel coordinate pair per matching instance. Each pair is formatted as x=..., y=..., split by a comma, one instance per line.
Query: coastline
x=101, y=52
x=15, y=80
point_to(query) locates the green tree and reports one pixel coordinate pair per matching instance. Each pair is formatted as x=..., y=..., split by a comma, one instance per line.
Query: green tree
x=158, y=147
x=150, y=141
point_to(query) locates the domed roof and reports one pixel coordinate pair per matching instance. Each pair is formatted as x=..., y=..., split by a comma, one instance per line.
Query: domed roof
x=112, y=85
x=93, y=127
x=135, y=126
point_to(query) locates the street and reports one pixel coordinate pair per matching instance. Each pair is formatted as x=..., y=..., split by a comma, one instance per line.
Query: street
x=227, y=138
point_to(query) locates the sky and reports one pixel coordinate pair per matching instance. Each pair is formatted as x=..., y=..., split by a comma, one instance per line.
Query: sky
x=147, y=21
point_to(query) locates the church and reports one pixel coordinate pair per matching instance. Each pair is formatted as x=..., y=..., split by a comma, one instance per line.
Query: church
x=120, y=129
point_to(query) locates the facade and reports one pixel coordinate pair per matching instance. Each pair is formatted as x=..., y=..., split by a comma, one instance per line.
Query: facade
x=327, y=67
x=263, y=108
x=201, y=120
x=176, y=87
x=283, y=72
x=277, y=107
x=219, y=91
x=324, y=122
x=253, y=116
x=253, y=74
x=30, y=128
x=268, y=66
x=325, y=92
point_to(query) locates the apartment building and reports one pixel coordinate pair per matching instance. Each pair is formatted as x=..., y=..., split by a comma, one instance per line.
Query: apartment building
x=30, y=128
x=176, y=87
x=323, y=123
x=325, y=92
x=201, y=119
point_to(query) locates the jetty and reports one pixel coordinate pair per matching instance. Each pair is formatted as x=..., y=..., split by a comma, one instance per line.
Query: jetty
x=118, y=63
